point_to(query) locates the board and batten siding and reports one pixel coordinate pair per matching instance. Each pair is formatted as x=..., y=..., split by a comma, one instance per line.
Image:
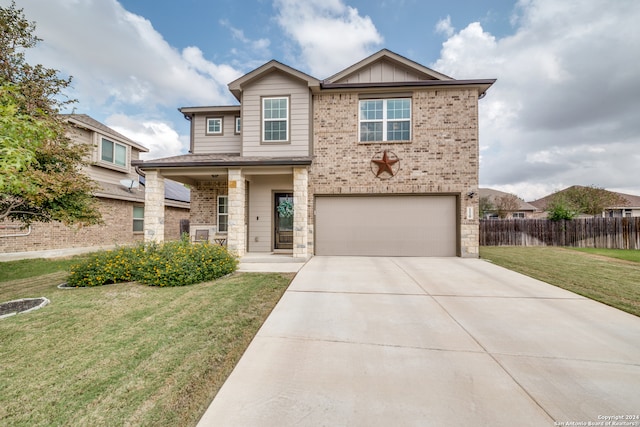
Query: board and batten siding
x=227, y=143
x=276, y=84
x=383, y=71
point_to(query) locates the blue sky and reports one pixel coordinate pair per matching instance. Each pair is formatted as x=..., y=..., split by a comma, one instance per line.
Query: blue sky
x=565, y=109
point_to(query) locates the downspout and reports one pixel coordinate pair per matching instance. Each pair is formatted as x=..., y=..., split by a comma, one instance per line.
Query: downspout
x=13, y=227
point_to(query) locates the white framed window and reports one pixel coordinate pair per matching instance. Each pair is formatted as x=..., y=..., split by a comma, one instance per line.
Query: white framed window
x=238, y=125
x=138, y=219
x=214, y=125
x=275, y=119
x=223, y=214
x=385, y=119
x=517, y=215
x=113, y=152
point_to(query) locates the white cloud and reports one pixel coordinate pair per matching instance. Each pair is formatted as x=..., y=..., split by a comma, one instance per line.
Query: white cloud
x=328, y=34
x=564, y=109
x=159, y=137
x=444, y=26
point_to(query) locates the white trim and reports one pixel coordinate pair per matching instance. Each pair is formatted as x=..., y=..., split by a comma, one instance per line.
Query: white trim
x=279, y=119
x=384, y=120
x=208, y=129
x=219, y=214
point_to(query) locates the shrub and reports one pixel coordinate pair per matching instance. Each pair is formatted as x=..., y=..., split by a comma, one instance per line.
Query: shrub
x=170, y=264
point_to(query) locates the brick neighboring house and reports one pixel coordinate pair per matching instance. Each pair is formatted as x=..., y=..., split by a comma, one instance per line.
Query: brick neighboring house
x=379, y=159
x=122, y=207
x=523, y=210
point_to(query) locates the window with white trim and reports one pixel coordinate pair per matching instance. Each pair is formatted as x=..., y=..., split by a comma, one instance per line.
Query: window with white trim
x=214, y=125
x=113, y=152
x=385, y=119
x=275, y=119
x=223, y=214
x=238, y=125
x=138, y=219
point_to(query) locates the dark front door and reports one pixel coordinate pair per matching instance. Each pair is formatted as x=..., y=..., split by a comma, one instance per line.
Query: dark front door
x=283, y=235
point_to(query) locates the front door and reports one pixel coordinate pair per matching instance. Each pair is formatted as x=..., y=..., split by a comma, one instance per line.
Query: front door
x=283, y=219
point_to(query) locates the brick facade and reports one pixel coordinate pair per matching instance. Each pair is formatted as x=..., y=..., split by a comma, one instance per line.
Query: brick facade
x=442, y=157
x=116, y=230
x=204, y=201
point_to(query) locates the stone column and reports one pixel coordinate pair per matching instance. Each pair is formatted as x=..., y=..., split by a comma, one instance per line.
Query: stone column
x=154, y=207
x=236, y=234
x=300, y=211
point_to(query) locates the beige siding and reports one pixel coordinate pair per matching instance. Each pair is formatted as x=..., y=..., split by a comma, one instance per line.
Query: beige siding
x=276, y=84
x=99, y=173
x=261, y=226
x=383, y=71
x=226, y=143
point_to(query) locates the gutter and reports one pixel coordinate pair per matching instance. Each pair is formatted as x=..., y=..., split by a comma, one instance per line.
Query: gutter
x=220, y=163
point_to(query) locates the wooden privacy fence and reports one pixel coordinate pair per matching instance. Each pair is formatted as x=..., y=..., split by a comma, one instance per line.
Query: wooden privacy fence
x=612, y=233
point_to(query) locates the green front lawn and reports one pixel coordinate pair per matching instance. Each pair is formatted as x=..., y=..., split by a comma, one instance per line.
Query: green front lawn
x=126, y=354
x=594, y=275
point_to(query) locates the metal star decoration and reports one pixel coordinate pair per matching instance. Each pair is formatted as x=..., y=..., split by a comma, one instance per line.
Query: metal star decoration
x=386, y=163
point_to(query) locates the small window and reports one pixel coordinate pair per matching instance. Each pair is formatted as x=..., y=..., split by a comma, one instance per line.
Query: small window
x=385, y=120
x=238, y=125
x=214, y=126
x=518, y=215
x=223, y=214
x=275, y=119
x=138, y=219
x=112, y=152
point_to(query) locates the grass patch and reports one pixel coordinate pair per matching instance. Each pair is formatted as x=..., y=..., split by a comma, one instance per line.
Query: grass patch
x=608, y=280
x=126, y=354
x=624, y=254
x=23, y=269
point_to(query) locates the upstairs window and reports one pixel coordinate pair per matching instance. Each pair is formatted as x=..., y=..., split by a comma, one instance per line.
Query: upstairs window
x=214, y=126
x=385, y=120
x=238, y=125
x=114, y=153
x=275, y=119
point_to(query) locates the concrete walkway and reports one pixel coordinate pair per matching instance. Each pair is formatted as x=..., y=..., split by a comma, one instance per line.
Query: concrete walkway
x=432, y=342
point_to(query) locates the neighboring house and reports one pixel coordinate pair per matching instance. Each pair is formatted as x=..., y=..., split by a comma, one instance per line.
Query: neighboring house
x=629, y=208
x=495, y=198
x=379, y=159
x=121, y=198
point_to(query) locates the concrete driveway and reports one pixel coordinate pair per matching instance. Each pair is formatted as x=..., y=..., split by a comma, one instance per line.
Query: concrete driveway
x=432, y=342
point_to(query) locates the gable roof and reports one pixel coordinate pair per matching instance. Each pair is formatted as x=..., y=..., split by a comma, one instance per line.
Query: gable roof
x=495, y=194
x=89, y=123
x=400, y=73
x=238, y=85
x=386, y=55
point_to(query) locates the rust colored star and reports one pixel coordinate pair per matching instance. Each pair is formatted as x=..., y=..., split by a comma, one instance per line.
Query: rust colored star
x=384, y=164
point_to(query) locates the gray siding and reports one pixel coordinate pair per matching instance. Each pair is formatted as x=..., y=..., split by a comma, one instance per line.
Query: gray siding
x=261, y=208
x=276, y=84
x=228, y=142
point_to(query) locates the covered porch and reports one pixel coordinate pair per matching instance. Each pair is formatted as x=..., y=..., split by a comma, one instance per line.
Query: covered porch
x=253, y=205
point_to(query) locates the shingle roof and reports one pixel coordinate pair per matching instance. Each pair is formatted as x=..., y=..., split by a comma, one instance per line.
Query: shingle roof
x=174, y=191
x=494, y=194
x=220, y=160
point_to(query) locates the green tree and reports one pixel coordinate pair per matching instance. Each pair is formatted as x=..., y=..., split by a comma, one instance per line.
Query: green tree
x=579, y=200
x=485, y=206
x=507, y=204
x=41, y=177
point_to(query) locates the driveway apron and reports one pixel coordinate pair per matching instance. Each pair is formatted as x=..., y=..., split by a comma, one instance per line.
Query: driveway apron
x=359, y=341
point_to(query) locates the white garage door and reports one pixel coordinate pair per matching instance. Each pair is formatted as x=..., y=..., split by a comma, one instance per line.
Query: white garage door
x=386, y=225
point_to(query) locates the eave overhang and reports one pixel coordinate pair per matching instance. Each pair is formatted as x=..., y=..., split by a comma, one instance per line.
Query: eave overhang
x=481, y=84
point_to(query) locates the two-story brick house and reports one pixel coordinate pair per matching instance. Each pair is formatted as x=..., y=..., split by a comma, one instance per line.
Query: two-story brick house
x=120, y=197
x=379, y=159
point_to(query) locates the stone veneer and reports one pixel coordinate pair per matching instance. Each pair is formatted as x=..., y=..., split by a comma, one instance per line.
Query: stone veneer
x=154, y=207
x=300, y=212
x=236, y=234
x=442, y=157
